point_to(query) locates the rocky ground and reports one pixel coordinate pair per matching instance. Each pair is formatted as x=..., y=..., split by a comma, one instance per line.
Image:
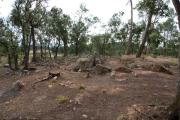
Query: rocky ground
x=134, y=89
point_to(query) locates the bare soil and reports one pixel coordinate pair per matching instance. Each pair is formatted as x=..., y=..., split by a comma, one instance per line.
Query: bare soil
x=139, y=95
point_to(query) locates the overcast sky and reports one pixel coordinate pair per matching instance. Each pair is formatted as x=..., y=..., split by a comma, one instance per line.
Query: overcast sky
x=103, y=9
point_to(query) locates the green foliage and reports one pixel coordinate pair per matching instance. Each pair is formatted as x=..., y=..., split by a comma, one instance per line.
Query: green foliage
x=155, y=7
x=81, y=87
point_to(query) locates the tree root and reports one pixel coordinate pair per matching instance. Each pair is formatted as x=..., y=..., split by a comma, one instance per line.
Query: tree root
x=49, y=77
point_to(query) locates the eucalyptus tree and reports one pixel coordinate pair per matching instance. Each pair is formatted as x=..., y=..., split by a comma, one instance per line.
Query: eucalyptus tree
x=175, y=107
x=20, y=18
x=151, y=8
x=115, y=23
x=59, y=25
x=129, y=49
x=37, y=15
x=8, y=40
x=26, y=17
x=81, y=26
x=116, y=29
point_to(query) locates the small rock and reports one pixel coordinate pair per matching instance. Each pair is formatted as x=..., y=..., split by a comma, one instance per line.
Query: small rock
x=7, y=102
x=135, y=74
x=113, y=74
x=74, y=108
x=85, y=116
x=87, y=75
x=18, y=85
x=6, y=65
x=70, y=101
x=55, y=78
x=50, y=86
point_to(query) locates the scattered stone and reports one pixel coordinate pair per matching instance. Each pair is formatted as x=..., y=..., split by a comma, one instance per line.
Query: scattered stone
x=18, y=85
x=50, y=86
x=87, y=75
x=74, y=108
x=100, y=69
x=70, y=101
x=39, y=98
x=6, y=65
x=135, y=74
x=55, y=78
x=113, y=74
x=85, y=116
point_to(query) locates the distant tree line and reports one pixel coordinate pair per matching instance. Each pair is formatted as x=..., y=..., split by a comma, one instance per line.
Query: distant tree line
x=32, y=33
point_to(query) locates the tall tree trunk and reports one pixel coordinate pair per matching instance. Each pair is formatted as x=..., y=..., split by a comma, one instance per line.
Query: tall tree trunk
x=175, y=107
x=77, y=47
x=23, y=44
x=16, y=60
x=176, y=4
x=129, y=49
x=56, y=51
x=34, y=44
x=9, y=59
x=49, y=50
x=41, y=48
x=65, y=48
x=26, y=61
x=145, y=36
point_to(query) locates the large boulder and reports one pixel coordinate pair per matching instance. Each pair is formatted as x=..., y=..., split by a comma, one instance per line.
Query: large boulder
x=156, y=68
x=83, y=64
x=101, y=69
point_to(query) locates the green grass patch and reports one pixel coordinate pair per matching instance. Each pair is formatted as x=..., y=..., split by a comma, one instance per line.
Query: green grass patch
x=81, y=87
x=62, y=99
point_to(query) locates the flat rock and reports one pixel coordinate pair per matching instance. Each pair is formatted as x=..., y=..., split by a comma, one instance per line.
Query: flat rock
x=123, y=69
x=101, y=69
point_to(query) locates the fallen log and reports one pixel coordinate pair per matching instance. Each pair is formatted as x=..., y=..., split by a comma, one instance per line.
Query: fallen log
x=49, y=77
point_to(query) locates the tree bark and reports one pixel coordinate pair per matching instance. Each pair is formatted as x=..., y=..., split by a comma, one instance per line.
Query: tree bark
x=129, y=49
x=34, y=44
x=176, y=4
x=175, y=107
x=65, y=48
x=49, y=50
x=77, y=47
x=26, y=61
x=145, y=36
x=56, y=51
x=41, y=48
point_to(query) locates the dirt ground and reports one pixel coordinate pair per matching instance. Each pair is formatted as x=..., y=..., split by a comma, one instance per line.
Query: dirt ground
x=140, y=95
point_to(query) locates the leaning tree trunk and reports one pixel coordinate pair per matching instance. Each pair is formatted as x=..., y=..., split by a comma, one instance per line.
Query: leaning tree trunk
x=145, y=36
x=175, y=107
x=34, y=44
x=129, y=49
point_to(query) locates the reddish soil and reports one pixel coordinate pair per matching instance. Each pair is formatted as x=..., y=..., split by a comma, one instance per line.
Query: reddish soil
x=100, y=97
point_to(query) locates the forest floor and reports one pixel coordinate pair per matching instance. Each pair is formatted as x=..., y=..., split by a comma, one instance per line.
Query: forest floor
x=140, y=95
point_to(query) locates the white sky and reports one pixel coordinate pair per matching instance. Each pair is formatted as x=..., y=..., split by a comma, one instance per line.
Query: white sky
x=103, y=9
